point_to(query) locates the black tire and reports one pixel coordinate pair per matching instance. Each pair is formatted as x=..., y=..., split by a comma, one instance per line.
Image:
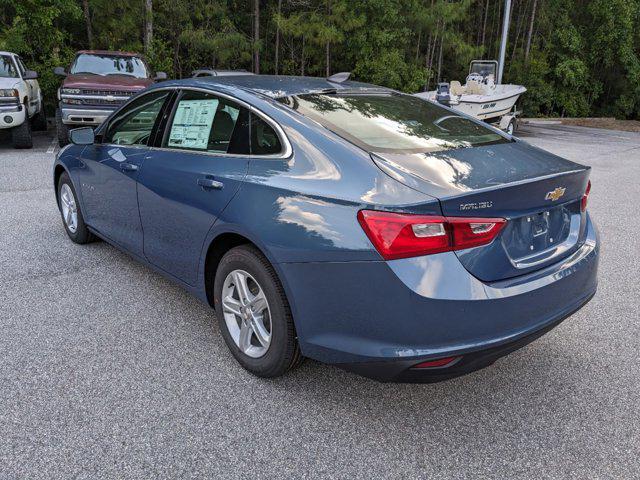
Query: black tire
x=61, y=129
x=283, y=353
x=40, y=121
x=82, y=234
x=512, y=127
x=21, y=135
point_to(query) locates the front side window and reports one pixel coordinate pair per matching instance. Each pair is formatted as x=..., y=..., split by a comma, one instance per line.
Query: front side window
x=208, y=123
x=134, y=123
x=390, y=122
x=7, y=68
x=105, y=65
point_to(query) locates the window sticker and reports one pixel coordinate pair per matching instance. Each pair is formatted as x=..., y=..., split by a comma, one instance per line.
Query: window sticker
x=192, y=123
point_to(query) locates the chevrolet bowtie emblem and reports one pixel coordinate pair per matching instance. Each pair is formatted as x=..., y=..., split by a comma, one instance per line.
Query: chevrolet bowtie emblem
x=555, y=194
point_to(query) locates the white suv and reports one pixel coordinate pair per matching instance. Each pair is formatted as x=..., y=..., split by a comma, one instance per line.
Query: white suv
x=20, y=100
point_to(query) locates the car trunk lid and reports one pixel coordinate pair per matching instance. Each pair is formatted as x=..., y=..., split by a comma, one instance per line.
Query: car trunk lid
x=538, y=193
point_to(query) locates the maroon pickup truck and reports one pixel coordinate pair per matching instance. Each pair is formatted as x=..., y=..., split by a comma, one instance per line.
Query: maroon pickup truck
x=97, y=83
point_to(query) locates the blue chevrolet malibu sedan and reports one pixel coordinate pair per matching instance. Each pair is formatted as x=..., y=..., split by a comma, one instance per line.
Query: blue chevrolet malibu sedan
x=339, y=221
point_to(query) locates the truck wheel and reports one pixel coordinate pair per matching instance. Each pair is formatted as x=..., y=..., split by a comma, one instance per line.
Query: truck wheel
x=40, y=121
x=62, y=129
x=21, y=135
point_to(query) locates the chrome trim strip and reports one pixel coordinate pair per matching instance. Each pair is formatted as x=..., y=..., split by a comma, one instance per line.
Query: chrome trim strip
x=10, y=108
x=95, y=97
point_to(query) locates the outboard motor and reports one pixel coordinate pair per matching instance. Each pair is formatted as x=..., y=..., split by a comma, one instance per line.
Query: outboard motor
x=443, y=95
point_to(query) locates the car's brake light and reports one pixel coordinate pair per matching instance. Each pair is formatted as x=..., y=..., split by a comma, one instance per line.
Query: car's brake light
x=399, y=235
x=585, y=197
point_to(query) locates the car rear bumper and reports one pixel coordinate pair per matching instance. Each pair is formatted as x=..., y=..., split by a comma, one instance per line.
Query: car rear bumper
x=90, y=116
x=381, y=318
x=403, y=371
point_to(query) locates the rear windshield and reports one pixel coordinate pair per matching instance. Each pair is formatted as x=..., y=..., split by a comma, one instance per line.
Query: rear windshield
x=392, y=122
x=109, y=65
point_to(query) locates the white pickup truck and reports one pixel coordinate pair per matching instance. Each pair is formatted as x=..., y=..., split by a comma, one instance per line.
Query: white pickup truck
x=20, y=100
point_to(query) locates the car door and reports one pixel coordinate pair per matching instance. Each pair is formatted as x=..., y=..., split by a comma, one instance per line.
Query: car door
x=110, y=169
x=32, y=89
x=187, y=182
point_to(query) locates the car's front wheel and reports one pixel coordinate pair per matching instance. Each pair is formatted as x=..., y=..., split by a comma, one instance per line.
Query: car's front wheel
x=253, y=313
x=21, y=135
x=71, y=213
x=62, y=130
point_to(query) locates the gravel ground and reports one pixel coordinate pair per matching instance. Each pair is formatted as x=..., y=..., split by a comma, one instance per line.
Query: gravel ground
x=107, y=370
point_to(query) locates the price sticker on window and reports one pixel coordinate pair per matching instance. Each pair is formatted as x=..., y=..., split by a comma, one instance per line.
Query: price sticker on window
x=192, y=124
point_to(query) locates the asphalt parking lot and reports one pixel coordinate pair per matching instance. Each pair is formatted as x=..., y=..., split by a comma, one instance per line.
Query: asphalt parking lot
x=108, y=370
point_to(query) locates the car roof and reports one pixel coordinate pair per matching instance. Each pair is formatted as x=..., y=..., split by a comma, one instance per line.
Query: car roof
x=109, y=52
x=274, y=86
x=215, y=72
x=8, y=53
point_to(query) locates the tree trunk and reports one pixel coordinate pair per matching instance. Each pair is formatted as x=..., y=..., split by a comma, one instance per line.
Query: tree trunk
x=440, y=58
x=87, y=22
x=148, y=30
x=484, y=23
x=328, y=55
x=328, y=45
x=176, y=57
x=278, y=38
x=530, y=34
x=256, y=36
x=519, y=23
x=302, y=58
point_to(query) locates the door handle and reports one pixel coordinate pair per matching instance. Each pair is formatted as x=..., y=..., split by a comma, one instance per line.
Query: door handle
x=128, y=167
x=210, y=183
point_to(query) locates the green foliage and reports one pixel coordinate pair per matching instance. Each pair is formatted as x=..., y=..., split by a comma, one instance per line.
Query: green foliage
x=41, y=31
x=583, y=57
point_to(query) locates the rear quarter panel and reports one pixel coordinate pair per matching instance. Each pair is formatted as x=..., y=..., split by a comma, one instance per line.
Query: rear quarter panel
x=304, y=208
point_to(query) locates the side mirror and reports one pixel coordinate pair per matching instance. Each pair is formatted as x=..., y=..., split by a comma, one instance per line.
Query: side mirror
x=30, y=75
x=160, y=76
x=60, y=71
x=82, y=136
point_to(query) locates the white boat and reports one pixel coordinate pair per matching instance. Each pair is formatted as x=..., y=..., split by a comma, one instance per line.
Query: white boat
x=480, y=96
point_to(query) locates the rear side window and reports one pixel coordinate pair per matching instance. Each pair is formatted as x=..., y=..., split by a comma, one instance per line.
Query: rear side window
x=208, y=123
x=264, y=139
x=393, y=123
x=134, y=123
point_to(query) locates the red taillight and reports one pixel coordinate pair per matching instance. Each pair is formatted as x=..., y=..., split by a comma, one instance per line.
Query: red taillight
x=441, y=362
x=585, y=197
x=399, y=235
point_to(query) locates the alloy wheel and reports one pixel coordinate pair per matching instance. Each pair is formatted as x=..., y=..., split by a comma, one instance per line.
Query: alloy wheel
x=69, y=208
x=246, y=313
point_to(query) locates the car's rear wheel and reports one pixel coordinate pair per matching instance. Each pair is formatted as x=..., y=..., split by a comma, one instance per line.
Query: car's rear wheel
x=71, y=212
x=40, y=120
x=253, y=313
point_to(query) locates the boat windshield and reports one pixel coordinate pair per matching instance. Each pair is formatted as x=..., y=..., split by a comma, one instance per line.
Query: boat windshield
x=392, y=122
x=484, y=68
